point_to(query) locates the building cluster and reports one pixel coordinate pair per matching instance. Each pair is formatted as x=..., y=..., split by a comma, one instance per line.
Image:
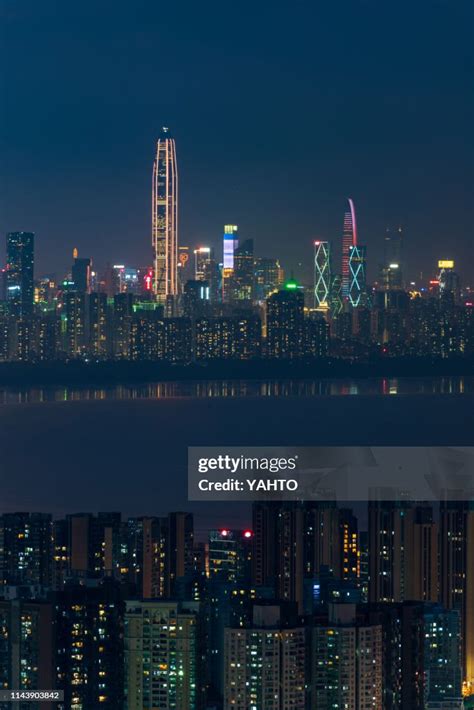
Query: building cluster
x=244, y=312
x=199, y=305
x=304, y=610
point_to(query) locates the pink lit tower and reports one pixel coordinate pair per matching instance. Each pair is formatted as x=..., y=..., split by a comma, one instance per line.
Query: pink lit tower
x=349, y=240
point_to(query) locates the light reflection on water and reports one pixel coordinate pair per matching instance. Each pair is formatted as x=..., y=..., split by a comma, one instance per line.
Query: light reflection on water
x=239, y=389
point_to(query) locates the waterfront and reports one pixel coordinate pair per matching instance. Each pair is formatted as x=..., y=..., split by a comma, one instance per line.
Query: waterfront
x=241, y=388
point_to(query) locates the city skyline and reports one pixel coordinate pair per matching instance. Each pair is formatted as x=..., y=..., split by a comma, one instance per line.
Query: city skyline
x=237, y=355
x=393, y=132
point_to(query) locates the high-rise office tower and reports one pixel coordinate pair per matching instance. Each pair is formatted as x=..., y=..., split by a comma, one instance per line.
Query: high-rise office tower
x=202, y=255
x=165, y=218
x=392, y=268
x=244, y=273
x=357, y=276
x=449, y=283
x=162, y=656
x=264, y=663
x=457, y=574
x=322, y=274
x=269, y=277
x=230, y=244
x=196, y=299
x=206, y=269
x=20, y=272
x=349, y=239
x=336, y=300
x=81, y=273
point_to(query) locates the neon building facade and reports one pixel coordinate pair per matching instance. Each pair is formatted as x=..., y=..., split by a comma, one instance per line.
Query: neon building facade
x=322, y=274
x=349, y=239
x=165, y=218
x=230, y=244
x=357, y=275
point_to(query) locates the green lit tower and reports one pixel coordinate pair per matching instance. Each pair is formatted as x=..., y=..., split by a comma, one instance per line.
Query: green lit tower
x=357, y=275
x=322, y=274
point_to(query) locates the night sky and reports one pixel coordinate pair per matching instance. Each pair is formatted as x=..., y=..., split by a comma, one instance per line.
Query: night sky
x=131, y=456
x=280, y=110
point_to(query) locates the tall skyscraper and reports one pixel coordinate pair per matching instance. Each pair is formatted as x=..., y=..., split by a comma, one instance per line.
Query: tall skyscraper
x=202, y=256
x=357, y=276
x=230, y=244
x=322, y=274
x=269, y=277
x=20, y=268
x=349, y=239
x=392, y=269
x=81, y=273
x=165, y=218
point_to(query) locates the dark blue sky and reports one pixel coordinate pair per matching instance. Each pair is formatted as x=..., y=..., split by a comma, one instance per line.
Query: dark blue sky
x=280, y=110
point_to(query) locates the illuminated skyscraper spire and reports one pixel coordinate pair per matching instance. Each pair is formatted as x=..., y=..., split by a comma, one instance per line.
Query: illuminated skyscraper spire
x=165, y=218
x=349, y=240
